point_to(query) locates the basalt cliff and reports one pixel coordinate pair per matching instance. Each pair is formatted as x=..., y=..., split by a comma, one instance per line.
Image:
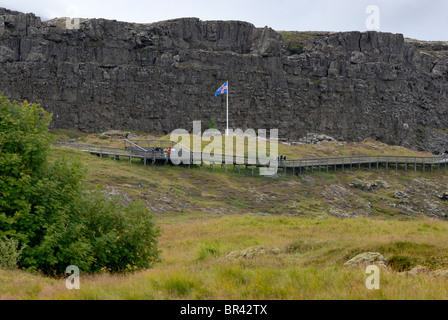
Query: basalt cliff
x=162, y=76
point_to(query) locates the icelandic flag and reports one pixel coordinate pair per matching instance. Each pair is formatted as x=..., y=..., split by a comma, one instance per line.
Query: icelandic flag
x=223, y=89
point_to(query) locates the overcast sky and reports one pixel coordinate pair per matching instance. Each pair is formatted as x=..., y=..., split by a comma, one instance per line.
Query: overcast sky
x=419, y=19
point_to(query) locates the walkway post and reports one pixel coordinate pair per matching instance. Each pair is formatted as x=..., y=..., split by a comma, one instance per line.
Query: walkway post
x=227, y=132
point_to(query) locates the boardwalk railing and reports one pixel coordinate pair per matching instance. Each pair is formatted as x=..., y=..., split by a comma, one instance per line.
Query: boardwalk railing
x=149, y=144
x=296, y=166
x=134, y=144
x=346, y=161
x=409, y=162
x=92, y=148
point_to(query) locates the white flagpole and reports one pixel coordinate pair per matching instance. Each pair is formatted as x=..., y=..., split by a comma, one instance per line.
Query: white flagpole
x=227, y=132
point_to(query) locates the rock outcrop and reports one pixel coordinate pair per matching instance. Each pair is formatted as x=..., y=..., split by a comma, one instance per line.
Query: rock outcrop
x=162, y=76
x=365, y=259
x=252, y=252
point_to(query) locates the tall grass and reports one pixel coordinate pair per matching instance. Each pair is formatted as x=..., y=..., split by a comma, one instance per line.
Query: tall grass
x=310, y=264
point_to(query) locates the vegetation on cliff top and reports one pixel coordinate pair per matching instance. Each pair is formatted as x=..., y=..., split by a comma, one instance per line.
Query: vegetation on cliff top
x=296, y=40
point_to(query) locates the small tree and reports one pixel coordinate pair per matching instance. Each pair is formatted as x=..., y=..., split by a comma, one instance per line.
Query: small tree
x=211, y=124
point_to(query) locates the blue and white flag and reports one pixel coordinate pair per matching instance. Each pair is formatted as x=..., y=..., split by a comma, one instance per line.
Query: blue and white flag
x=223, y=89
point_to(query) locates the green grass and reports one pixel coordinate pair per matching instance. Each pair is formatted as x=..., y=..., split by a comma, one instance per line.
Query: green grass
x=309, y=266
x=205, y=215
x=63, y=135
x=296, y=41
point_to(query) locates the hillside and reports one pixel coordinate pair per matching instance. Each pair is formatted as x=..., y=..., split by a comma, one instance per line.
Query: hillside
x=358, y=193
x=162, y=76
x=234, y=236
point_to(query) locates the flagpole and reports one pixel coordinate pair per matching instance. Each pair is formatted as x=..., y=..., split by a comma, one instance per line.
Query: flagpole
x=227, y=132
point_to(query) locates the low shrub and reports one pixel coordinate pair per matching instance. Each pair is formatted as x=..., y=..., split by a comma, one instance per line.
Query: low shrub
x=399, y=263
x=10, y=253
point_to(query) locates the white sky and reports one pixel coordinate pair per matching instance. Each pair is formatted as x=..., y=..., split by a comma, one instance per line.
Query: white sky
x=419, y=19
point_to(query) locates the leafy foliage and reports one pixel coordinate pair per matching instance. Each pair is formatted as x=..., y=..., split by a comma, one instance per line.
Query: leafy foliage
x=9, y=253
x=45, y=207
x=211, y=124
x=123, y=237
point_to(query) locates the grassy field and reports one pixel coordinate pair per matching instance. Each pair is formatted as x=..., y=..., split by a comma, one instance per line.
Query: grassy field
x=308, y=264
x=309, y=226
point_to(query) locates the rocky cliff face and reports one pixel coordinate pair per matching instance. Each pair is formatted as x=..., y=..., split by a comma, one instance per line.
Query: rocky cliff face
x=162, y=76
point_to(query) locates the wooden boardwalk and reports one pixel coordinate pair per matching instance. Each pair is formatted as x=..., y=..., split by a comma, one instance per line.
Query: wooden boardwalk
x=396, y=162
x=153, y=153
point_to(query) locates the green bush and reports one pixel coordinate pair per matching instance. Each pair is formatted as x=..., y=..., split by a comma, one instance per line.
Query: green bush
x=45, y=206
x=211, y=124
x=123, y=237
x=9, y=254
x=399, y=263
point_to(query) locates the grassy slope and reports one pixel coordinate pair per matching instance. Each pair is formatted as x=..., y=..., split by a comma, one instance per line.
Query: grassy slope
x=324, y=149
x=206, y=193
x=206, y=215
x=309, y=267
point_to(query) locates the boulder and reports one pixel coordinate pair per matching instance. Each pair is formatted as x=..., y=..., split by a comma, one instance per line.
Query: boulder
x=368, y=186
x=401, y=195
x=117, y=133
x=253, y=252
x=444, y=196
x=421, y=270
x=368, y=258
x=418, y=270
